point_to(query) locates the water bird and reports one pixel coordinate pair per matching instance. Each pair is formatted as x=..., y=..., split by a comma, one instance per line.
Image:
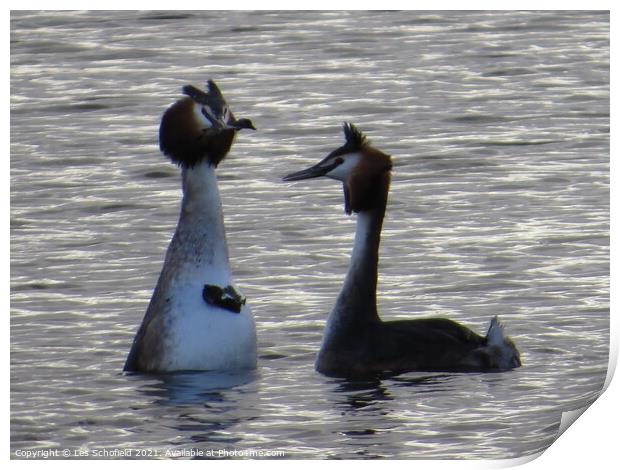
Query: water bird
x=197, y=319
x=356, y=342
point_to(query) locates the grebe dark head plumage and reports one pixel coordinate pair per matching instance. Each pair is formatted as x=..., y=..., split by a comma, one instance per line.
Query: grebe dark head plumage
x=199, y=127
x=362, y=169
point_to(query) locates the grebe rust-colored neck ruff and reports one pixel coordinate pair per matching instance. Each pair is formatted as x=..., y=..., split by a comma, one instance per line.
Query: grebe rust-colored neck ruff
x=199, y=127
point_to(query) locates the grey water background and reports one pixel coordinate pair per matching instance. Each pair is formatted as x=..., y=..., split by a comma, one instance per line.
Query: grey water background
x=498, y=123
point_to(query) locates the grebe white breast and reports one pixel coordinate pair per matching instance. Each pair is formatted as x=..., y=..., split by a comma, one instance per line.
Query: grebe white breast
x=197, y=319
x=356, y=342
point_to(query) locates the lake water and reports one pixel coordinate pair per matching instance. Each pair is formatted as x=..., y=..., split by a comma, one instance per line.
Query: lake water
x=498, y=124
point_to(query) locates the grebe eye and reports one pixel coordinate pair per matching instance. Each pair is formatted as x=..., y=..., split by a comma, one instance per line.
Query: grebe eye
x=334, y=161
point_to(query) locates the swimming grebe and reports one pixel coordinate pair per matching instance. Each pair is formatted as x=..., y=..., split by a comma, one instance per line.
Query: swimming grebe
x=356, y=342
x=196, y=319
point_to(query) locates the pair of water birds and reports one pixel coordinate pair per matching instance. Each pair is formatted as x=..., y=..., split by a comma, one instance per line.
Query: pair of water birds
x=198, y=320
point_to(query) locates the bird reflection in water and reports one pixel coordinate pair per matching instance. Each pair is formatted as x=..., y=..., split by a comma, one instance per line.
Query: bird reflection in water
x=200, y=387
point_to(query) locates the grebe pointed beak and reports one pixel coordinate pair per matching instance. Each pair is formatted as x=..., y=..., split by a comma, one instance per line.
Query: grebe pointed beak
x=243, y=123
x=320, y=169
x=312, y=172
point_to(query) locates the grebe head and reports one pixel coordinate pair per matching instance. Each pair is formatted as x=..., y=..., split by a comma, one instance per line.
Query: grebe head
x=214, y=109
x=359, y=166
x=199, y=127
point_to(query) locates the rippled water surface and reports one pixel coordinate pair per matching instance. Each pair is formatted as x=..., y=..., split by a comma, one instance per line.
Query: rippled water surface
x=498, y=123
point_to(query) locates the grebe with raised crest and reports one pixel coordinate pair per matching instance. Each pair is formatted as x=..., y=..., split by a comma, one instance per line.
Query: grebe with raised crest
x=197, y=319
x=356, y=342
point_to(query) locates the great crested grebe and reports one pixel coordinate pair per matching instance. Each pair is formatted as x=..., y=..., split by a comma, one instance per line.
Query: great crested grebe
x=356, y=342
x=196, y=319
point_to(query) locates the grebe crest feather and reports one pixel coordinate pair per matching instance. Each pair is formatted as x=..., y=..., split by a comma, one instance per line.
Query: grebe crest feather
x=199, y=127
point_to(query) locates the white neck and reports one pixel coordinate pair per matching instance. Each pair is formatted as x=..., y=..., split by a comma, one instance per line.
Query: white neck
x=363, y=228
x=359, y=288
x=201, y=195
x=199, y=250
x=356, y=303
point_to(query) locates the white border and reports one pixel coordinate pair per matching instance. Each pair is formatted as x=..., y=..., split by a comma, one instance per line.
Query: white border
x=592, y=442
